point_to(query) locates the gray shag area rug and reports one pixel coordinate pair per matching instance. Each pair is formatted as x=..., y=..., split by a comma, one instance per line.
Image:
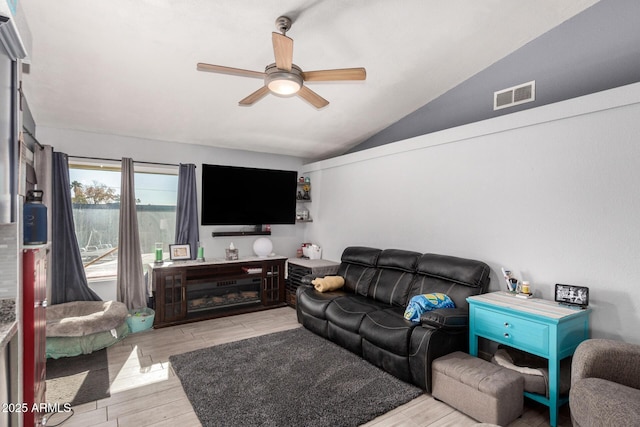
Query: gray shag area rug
x=290, y=378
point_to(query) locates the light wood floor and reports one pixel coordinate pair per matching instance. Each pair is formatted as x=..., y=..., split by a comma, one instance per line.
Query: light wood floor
x=146, y=392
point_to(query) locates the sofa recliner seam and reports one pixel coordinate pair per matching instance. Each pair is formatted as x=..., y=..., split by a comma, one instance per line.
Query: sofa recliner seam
x=387, y=327
x=348, y=311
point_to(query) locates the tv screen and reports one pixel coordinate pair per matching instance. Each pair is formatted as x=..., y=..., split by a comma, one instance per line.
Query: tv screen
x=233, y=195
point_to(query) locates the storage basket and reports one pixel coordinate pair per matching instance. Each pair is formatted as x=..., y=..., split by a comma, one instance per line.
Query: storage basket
x=140, y=319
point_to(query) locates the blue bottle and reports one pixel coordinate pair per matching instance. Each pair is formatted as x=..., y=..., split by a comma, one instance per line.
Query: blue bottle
x=35, y=219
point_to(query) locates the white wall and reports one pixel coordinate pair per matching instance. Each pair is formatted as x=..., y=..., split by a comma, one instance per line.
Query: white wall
x=550, y=193
x=286, y=238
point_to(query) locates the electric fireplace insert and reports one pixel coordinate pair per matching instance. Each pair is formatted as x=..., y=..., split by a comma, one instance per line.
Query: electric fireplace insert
x=214, y=295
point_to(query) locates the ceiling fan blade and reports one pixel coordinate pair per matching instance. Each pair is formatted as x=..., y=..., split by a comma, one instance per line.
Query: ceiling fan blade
x=283, y=51
x=229, y=70
x=312, y=97
x=334, y=75
x=255, y=96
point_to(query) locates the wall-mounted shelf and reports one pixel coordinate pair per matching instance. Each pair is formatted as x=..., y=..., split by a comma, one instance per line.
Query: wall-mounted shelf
x=303, y=198
x=300, y=197
x=240, y=233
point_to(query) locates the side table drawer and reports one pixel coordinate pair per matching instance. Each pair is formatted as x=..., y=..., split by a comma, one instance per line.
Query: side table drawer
x=513, y=331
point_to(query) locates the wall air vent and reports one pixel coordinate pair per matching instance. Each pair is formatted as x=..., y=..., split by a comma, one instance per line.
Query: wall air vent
x=515, y=95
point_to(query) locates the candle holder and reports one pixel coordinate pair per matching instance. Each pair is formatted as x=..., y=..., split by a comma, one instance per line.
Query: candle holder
x=158, y=253
x=200, y=257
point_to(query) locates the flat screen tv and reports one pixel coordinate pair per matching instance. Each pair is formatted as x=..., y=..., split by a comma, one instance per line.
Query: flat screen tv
x=233, y=195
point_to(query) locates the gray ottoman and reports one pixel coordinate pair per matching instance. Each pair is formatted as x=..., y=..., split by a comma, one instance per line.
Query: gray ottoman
x=480, y=389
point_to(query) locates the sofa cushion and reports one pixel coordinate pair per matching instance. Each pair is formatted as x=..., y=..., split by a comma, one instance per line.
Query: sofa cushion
x=394, y=276
x=460, y=270
x=348, y=311
x=315, y=303
x=398, y=259
x=388, y=329
x=446, y=274
x=360, y=255
x=358, y=268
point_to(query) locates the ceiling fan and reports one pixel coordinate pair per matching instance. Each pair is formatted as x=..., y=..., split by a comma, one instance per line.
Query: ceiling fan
x=284, y=78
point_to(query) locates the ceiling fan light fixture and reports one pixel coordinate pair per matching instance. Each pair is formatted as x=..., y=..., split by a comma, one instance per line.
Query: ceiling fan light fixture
x=284, y=83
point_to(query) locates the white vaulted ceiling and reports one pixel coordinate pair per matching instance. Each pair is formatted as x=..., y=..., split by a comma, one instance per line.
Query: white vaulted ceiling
x=126, y=67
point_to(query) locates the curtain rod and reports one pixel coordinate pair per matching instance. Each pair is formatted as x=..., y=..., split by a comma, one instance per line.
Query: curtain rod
x=117, y=160
x=28, y=132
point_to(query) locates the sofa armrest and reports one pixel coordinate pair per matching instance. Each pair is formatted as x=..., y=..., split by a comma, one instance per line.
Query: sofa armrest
x=308, y=278
x=446, y=318
x=611, y=360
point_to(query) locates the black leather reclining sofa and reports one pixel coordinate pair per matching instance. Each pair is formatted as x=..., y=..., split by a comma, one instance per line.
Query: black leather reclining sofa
x=366, y=316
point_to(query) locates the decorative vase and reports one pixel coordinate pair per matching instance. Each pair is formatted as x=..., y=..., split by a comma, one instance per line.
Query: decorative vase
x=262, y=247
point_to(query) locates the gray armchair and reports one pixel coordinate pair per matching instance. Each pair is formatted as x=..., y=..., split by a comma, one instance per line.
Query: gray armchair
x=605, y=384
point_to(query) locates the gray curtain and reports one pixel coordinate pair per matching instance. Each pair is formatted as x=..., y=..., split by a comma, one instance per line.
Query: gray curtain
x=68, y=280
x=187, y=209
x=130, y=282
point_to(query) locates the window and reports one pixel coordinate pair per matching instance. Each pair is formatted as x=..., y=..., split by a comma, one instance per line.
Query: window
x=95, y=196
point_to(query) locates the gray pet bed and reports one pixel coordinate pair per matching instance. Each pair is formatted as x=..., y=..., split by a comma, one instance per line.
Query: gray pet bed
x=81, y=327
x=533, y=369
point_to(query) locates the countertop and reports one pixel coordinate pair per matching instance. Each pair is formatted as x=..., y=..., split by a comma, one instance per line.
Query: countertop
x=535, y=306
x=313, y=263
x=211, y=261
x=8, y=324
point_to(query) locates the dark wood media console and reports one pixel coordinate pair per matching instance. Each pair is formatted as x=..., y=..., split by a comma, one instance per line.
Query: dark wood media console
x=190, y=291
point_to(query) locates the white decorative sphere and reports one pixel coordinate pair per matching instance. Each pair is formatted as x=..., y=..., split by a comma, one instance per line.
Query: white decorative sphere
x=262, y=247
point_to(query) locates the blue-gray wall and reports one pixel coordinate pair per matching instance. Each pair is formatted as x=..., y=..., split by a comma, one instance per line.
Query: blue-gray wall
x=596, y=50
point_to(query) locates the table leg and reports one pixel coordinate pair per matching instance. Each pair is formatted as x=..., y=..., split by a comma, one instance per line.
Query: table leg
x=554, y=390
x=473, y=338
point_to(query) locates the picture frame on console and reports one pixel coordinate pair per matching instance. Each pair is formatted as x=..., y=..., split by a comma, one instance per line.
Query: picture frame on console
x=179, y=252
x=572, y=295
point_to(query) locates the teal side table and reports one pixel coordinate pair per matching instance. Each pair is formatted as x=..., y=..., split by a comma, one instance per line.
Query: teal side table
x=537, y=326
